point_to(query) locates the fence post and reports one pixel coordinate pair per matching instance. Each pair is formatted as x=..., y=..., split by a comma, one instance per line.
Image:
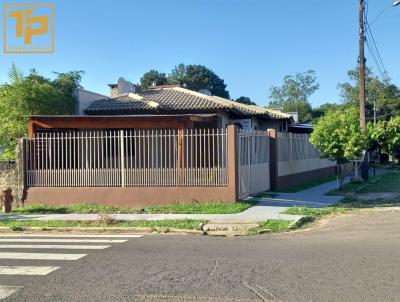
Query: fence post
x=291, y=148
x=122, y=147
x=273, y=159
x=232, y=165
x=180, y=156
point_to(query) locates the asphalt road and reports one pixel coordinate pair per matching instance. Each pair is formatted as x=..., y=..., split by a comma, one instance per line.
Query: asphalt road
x=348, y=258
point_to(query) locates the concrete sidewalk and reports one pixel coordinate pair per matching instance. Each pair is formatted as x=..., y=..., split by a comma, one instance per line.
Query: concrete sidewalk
x=312, y=198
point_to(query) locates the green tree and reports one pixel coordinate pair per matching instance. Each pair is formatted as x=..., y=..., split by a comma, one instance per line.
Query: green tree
x=244, y=100
x=323, y=109
x=337, y=135
x=383, y=92
x=293, y=95
x=32, y=95
x=153, y=76
x=197, y=77
x=385, y=135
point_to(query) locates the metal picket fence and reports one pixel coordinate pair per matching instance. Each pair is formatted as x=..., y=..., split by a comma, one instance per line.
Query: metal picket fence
x=150, y=157
x=295, y=146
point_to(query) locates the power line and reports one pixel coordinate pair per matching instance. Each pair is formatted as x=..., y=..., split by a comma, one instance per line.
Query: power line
x=371, y=51
x=371, y=35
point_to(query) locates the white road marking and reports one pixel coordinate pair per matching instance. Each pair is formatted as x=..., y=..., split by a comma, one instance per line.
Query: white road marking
x=71, y=236
x=6, y=291
x=62, y=240
x=53, y=246
x=27, y=270
x=41, y=256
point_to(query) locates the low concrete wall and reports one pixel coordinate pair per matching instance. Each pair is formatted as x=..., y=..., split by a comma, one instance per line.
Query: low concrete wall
x=297, y=172
x=304, y=165
x=129, y=196
x=287, y=181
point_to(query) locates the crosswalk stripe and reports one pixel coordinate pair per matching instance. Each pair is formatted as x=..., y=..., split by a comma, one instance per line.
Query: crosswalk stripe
x=72, y=235
x=27, y=270
x=41, y=256
x=62, y=240
x=54, y=246
x=6, y=291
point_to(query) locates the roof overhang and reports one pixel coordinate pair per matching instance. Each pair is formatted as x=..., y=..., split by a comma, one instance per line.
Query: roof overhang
x=178, y=121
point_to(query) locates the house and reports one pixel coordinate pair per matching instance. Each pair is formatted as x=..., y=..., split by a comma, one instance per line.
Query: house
x=166, y=144
x=169, y=99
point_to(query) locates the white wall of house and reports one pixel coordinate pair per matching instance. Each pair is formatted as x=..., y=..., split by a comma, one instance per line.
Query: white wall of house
x=85, y=98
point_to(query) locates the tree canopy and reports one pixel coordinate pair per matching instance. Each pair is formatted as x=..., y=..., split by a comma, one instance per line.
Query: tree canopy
x=293, y=95
x=321, y=110
x=244, y=100
x=337, y=135
x=197, y=77
x=385, y=135
x=151, y=76
x=383, y=92
x=32, y=95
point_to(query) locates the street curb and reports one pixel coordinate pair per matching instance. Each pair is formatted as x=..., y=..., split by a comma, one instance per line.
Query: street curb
x=120, y=230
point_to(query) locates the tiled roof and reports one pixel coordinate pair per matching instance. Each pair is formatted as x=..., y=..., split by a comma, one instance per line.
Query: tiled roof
x=177, y=99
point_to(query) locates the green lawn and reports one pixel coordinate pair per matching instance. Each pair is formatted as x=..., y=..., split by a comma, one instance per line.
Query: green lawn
x=309, y=185
x=189, y=208
x=202, y=208
x=274, y=225
x=159, y=224
x=38, y=208
x=387, y=183
x=315, y=212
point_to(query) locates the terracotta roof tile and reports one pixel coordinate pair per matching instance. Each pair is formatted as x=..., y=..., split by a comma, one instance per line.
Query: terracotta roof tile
x=178, y=99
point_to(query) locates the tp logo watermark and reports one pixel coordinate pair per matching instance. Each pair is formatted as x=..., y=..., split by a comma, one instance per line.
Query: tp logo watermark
x=28, y=28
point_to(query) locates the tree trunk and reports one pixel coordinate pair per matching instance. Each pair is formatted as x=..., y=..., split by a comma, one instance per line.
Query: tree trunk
x=341, y=177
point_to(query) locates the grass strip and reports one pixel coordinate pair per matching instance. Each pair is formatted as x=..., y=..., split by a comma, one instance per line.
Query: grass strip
x=186, y=224
x=275, y=225
x=202, y=208
x=315, y=212
x=184, y=208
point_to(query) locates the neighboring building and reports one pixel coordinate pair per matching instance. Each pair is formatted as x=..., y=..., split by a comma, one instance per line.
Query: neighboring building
x=85, y=98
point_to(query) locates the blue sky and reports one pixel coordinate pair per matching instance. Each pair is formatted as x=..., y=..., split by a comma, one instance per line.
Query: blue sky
x=252, y=44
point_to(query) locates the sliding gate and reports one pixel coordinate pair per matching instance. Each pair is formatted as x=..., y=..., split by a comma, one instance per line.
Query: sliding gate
x=253, y=157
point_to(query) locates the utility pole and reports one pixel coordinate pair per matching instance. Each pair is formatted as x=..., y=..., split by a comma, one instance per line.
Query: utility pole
x=362, y=68
x=364, y=166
